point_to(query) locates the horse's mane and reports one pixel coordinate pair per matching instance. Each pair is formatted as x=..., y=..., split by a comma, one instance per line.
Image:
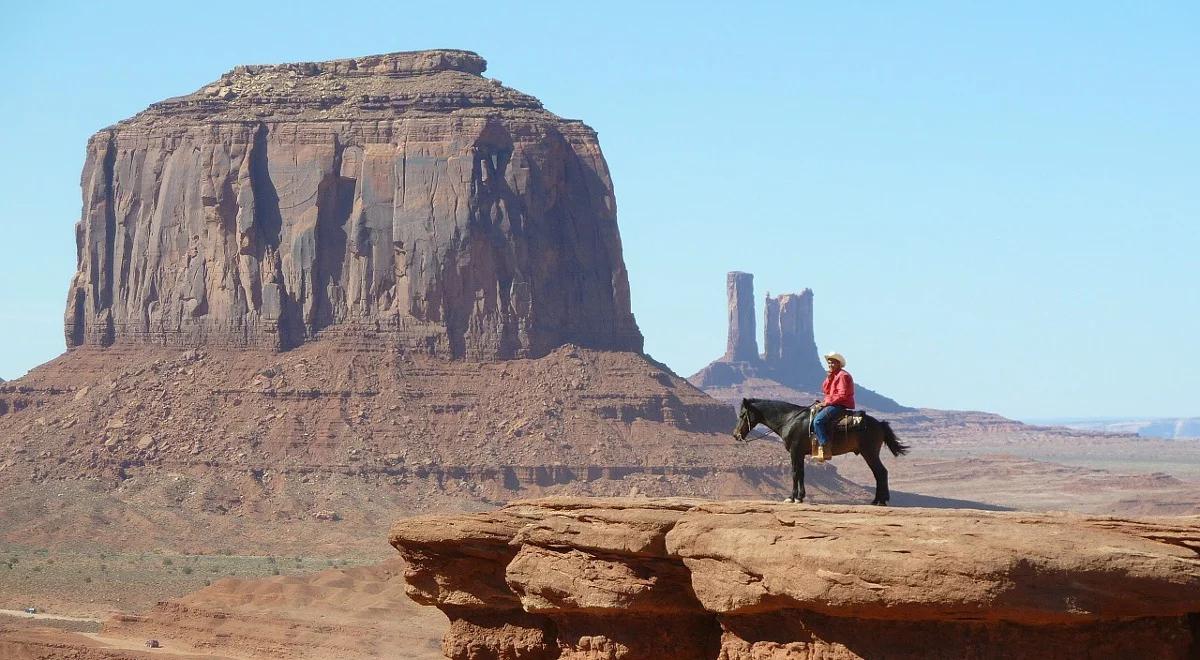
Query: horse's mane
x=770, y=407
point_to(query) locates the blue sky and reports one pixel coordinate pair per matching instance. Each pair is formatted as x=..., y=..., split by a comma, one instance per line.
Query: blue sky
x=997, y=204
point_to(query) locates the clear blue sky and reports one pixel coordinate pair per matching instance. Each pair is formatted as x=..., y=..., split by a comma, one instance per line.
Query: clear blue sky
x=996, y=203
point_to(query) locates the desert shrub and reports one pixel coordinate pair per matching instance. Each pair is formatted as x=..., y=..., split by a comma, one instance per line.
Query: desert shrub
x=274, y=571
x=88, y=579
x=167, y=562
x=187, y=570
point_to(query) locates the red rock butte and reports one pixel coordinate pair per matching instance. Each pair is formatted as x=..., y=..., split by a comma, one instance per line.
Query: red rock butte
x=312, y=295
x=401, y=199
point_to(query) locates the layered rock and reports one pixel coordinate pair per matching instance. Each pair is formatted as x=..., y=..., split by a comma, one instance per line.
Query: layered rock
x=209, y=449
x=402, y=199
x=675, y=578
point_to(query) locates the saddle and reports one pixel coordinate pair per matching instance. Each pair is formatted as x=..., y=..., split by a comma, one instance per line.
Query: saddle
x=844, y=423
x=847, y=421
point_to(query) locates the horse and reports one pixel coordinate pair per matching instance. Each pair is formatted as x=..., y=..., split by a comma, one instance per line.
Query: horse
x=793, y=424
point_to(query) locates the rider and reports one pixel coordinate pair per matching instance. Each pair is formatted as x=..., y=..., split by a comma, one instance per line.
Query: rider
x=839, y=397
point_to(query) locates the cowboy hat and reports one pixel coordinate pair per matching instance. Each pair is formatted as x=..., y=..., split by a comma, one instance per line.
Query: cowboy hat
x=836, y=356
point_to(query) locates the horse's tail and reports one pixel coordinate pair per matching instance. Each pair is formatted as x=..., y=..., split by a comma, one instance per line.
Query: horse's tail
x=893, y=443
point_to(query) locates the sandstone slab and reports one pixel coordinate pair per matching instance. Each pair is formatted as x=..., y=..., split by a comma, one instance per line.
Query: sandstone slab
x=685, y=578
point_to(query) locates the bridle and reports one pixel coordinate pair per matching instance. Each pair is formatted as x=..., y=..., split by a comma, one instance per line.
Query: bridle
x=743, y=418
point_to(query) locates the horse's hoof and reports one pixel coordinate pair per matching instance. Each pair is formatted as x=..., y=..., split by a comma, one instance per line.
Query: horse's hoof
x=880, y=502
x=790, y=500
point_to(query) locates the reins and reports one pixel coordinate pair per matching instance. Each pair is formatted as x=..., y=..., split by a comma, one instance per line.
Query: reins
x=757, y=437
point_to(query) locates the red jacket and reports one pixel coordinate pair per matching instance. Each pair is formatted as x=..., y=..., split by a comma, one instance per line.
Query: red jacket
x=839, y=389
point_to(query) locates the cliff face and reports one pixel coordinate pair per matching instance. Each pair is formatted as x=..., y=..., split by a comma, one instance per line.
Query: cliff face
x=402, y=198
x=675, y=578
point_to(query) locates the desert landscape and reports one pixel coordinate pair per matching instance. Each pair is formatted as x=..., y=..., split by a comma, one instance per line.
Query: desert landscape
x=351, y=371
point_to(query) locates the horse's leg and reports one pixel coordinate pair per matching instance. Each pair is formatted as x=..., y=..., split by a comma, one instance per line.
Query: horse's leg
x=870, y=454
x=797, y=455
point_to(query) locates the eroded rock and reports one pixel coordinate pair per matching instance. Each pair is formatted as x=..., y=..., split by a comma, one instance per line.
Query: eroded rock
x=400, y=199
x=682, y=578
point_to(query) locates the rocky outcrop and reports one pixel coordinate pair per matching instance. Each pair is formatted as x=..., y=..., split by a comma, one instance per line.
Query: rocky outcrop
x=675, y=578
x=323, y=441
x=742, y=342
x=402, y=199
x=792, y=357
x=790, y=360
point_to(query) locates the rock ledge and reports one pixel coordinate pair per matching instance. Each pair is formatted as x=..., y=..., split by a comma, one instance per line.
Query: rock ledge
x=685, y=578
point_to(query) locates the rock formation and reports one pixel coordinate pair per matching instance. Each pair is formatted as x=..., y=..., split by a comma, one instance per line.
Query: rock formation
x=793, y=357
x=790, y=356
x=402, y=226
x=742, y=343
x=401, y=199
x=641, y=578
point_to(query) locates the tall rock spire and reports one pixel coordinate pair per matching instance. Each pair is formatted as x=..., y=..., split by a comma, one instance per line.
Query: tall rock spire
x=795, y=360
x=789, y=358
x=742, y=344
x=770, y=329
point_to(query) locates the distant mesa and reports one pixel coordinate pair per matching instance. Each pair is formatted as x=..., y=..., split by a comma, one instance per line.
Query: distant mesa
x=401, y=199
x=790, y=358
x=1167, y=428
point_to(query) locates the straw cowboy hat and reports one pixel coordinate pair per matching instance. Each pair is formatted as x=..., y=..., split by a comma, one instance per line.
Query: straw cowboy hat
x=836, y=356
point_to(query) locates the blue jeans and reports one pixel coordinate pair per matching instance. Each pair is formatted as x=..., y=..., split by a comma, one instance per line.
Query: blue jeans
x=820, y=420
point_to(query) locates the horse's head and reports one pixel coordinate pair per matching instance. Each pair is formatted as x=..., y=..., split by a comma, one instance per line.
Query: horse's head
x=748, y=418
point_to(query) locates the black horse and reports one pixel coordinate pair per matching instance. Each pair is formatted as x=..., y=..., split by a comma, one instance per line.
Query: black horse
x=793, y=424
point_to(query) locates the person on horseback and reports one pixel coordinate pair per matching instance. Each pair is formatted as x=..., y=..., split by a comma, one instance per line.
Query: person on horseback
x=839, y=398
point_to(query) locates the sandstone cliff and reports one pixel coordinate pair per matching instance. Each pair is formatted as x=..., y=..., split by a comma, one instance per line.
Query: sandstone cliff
x=403, y=199
x=676, y=578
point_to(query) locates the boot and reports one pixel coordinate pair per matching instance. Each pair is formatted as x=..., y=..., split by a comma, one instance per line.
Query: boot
x=822, y=454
